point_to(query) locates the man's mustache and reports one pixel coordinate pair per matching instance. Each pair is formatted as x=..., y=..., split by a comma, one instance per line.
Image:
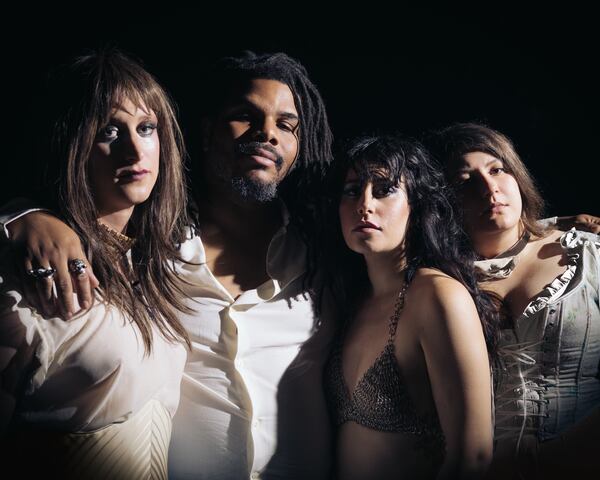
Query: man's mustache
x=253, y=148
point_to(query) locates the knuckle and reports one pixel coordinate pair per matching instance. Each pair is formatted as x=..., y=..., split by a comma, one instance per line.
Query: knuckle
x=62, y=285
x=81, y=277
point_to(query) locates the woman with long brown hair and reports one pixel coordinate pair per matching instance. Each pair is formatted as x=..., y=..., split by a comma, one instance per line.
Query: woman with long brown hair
x=93, y=397
x=547, y=283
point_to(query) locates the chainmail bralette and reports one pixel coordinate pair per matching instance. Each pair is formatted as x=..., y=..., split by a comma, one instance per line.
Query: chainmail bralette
x=381, y=400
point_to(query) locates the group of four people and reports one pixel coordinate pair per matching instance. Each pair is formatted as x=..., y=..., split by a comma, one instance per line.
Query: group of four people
x=375, y=315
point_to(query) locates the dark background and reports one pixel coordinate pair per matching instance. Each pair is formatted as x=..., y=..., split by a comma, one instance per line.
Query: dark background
x=531, y=74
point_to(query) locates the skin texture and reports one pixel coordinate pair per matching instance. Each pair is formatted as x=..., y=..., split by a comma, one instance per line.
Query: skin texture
x=376, y=204
x=124, y=163
x=490, y=199
x=254, y=136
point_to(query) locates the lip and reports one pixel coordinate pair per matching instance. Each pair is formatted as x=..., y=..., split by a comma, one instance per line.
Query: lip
x=260, y=160
x=366, y=226
x=496, y=207
x=261, y=152
x=132, y=175
x=261, y=157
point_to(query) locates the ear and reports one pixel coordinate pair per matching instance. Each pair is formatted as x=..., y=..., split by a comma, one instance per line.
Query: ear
x=206, y=133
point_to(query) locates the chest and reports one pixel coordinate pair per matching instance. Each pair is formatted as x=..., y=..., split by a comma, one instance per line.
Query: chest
x=366, y=338
x=530, y=276
x=238, y=268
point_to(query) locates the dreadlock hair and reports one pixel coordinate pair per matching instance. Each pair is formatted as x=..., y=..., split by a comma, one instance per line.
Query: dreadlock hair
x=301, y=188
x=433, y=238
x=80, y=100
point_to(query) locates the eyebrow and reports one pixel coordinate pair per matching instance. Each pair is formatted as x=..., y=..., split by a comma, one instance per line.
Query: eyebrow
x=147, y=117
x=289, y=116
x=244, y=102
x=468, y=169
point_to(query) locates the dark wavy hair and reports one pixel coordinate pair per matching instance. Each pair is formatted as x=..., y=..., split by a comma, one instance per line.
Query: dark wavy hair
x=301, y=188
x=434, y=239
x=80, y=97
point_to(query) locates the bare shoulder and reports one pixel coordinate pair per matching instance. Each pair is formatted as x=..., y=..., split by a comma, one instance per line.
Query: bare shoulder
x=547, y=246
x=439, y=297
x=552, y=236
x=434, y=285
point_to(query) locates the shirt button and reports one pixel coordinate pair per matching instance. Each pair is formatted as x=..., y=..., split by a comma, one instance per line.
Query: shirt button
x=255, y=475
x=255, y=423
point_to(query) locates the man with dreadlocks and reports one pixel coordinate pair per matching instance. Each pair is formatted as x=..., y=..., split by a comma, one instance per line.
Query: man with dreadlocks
x=251, y=400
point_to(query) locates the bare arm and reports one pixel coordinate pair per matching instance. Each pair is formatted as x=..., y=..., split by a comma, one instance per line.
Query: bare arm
x=583, y=221
x=457, y=364
x=42, y=240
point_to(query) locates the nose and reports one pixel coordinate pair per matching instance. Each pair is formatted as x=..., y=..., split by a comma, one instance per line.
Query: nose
x=488, y=185
x=132, y=147
x=364, y=206
x=266, y=131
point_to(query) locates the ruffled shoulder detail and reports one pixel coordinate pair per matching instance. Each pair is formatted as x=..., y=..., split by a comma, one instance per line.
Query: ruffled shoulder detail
x=575, y=238
x=551, y=292
x=572, y=243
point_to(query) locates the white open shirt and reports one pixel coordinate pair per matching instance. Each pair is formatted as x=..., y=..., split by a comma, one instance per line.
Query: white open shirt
x=251, y=401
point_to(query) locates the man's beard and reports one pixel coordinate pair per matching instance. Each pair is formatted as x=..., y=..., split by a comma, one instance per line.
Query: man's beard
x=250, y=190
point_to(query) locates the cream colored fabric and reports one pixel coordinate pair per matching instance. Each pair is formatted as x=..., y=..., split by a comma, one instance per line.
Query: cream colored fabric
x=82, y=375
x=132, y=450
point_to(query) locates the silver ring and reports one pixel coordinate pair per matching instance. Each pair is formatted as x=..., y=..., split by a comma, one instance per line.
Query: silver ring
x=77, y=266
x=41, y=272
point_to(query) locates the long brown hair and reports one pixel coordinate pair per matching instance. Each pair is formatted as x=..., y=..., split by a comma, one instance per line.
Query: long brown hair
x=452, y=143
x=83, y=95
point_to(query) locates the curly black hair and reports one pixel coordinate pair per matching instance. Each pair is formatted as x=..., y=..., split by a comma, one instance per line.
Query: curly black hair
x=434, y=238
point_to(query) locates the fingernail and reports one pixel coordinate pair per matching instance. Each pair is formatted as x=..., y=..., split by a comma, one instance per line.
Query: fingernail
x=85, y=305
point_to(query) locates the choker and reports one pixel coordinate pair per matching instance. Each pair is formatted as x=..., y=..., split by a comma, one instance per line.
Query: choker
x=503, y=264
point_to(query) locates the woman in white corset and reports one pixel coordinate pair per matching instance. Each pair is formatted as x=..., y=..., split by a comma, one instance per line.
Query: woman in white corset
x=547, y=282
x=92, y=395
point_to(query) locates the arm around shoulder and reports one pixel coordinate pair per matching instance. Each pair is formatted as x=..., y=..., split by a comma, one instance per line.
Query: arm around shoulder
x=14, y=210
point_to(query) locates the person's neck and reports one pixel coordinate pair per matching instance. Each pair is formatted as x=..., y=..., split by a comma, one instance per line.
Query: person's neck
x=223, y=212
x=492, y=244
x=385, y=274
x=116, y=221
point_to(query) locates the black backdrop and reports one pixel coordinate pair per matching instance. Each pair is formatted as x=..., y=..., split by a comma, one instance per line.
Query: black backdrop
x=530, y=74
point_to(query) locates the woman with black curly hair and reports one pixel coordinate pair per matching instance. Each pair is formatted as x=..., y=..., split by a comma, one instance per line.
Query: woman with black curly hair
x=409, y=379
